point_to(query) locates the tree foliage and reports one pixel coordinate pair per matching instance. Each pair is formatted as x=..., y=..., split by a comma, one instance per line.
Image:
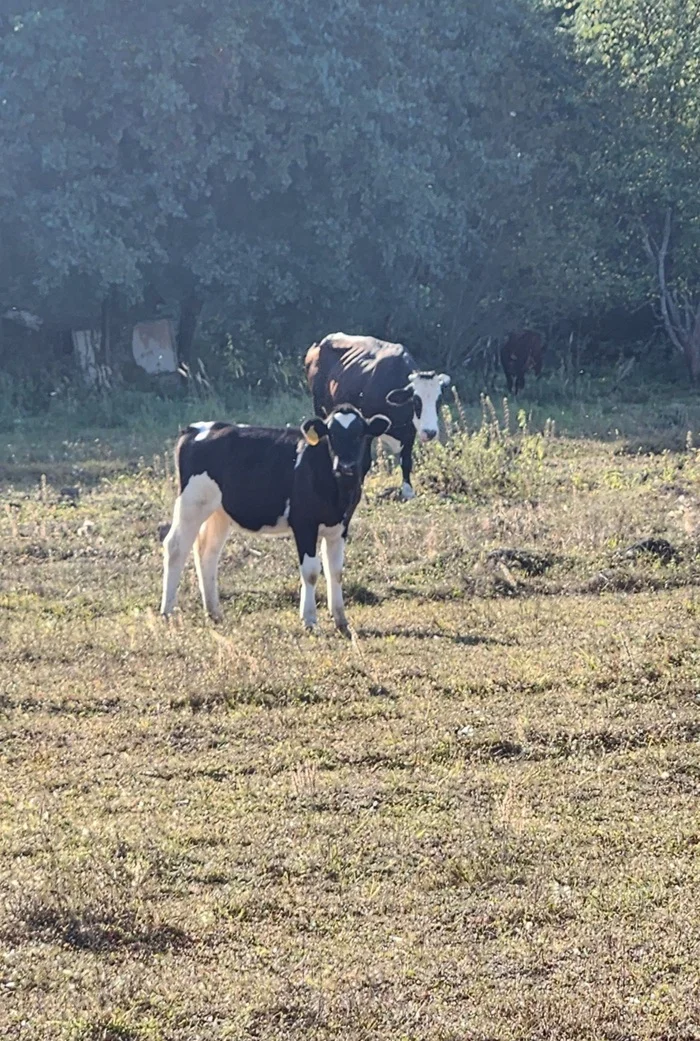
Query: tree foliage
x=644, y=60
x=434, y=173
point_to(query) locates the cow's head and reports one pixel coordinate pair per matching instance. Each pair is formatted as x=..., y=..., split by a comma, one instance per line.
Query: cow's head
x=424, y=389
x=346, y=431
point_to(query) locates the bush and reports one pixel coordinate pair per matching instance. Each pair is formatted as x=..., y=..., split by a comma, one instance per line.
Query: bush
x=492, y=460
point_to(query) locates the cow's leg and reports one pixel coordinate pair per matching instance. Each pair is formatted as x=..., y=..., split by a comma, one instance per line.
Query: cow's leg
x=406, y=467
x=333, y=554
x=198, y=500
x=207, y=550
x=309, y=568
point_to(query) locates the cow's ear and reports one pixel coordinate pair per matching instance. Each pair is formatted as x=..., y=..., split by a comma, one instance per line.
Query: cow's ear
x=378, y=425
x=444, y=379
x=399, y=396
x=313, y=430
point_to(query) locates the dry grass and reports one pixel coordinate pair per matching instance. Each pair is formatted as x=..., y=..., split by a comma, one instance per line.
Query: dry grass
x=478, y=819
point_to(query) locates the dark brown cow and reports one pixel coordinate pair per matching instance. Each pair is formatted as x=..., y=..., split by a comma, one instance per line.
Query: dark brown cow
x=521, y=351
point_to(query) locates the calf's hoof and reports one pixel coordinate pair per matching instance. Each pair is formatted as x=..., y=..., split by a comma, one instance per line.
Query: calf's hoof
x=342, y=626
x=407, y=492
x=310, y=623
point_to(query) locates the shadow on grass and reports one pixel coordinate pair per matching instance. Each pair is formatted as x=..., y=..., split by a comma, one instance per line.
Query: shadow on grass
x=540, y=746
x=100, y=929
x=251, y=600
x=412, y=633
x=248, y=601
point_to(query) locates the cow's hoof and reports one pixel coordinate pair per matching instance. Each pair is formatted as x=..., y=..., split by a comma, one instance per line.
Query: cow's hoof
x=216, y=617
x=407, y=492
x=342, y=626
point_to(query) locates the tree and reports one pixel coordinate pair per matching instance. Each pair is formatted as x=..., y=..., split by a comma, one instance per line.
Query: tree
x=643, y=58
x=293, y=167
x=679, y=311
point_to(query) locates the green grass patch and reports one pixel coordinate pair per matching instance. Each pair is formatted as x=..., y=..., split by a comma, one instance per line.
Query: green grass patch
x=477, y=818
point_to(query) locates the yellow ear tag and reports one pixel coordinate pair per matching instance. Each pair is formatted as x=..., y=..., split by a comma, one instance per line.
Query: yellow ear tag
x=311, y=436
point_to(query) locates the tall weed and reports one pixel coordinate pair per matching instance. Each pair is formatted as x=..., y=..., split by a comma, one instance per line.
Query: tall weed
x=498, y=458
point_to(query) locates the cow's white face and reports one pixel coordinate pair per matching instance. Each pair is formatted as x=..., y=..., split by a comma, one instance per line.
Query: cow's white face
x=424, y=388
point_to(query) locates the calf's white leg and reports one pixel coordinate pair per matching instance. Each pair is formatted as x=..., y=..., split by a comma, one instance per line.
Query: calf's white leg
x=207, y=551
x=306, y=538
x=310, y=569
x=198, y=500
x=333, y=554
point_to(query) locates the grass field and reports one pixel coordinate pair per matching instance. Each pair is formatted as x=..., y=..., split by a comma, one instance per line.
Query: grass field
x=476, y=819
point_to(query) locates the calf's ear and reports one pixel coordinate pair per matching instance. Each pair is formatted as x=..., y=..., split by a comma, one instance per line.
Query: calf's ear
x=378, y=425
x=400, y=396
x=313, y=430
x=444, y=379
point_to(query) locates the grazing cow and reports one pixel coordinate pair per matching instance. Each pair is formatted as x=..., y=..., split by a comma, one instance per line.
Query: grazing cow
x=370, y=374
x=521, y=351
x=271, y=481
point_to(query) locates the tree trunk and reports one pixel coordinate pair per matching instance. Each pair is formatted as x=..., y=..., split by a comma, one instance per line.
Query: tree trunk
x=680, y=313
x=691, y=351
x=190, y=311
x=94, y=349
x=89, y=351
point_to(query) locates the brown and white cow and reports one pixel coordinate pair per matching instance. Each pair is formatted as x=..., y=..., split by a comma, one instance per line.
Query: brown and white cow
x=522, y=351
x=371, y=374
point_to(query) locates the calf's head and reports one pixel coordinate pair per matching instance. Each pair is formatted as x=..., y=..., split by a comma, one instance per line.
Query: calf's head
x=424, y=389
x=346, y=431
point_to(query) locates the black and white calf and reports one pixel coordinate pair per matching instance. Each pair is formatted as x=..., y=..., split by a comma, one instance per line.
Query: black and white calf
x=270, y=481
x=370, y=374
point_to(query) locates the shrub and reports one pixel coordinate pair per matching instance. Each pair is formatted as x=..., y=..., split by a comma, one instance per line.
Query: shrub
x=492, y=460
